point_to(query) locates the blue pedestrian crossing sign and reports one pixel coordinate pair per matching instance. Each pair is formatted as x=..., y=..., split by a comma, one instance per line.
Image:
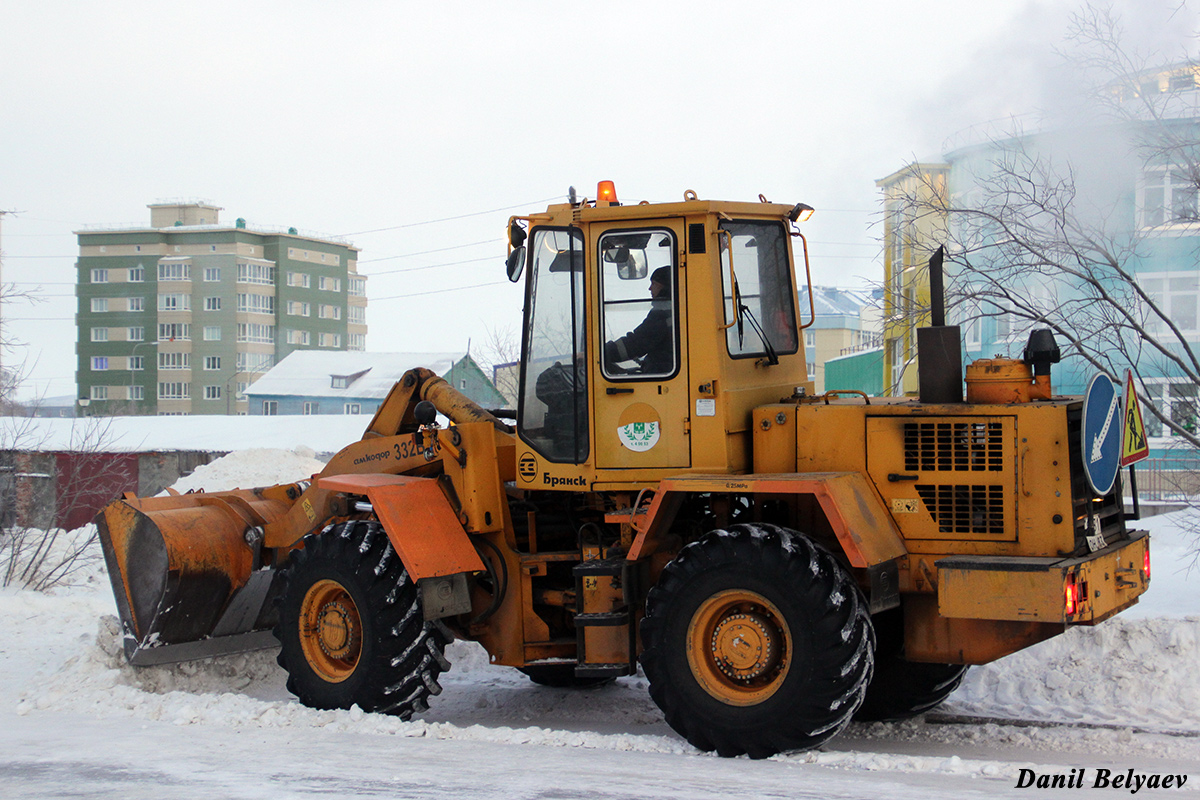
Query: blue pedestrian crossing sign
x=1102, y=434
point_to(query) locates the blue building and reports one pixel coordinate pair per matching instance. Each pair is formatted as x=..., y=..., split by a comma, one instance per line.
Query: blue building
x=329, y=382
x=1140, y=202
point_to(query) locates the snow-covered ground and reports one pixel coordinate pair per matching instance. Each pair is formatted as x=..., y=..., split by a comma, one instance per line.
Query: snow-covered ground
x=75, y=721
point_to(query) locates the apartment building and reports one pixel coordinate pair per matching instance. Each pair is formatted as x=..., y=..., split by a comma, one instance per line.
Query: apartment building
x=181, y=315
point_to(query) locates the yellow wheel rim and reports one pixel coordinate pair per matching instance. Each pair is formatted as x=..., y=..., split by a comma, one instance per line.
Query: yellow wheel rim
x=330, y=631
x=739, y=648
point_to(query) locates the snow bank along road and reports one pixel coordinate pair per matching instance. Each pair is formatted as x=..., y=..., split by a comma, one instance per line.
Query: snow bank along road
x=75, y=721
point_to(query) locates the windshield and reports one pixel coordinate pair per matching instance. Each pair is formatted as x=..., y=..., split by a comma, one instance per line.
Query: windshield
x=762, y=282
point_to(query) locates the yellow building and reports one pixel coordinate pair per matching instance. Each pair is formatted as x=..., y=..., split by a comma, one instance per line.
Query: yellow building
x=914, y=226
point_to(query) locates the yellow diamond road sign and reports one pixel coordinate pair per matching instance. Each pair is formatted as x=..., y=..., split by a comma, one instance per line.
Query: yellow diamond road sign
x=1134, y=446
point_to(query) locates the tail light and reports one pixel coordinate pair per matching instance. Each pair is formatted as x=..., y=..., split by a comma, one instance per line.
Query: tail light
x=1071, y=597
x=1146, y=563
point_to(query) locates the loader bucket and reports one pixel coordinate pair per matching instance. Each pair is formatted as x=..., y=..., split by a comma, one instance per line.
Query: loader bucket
x=185, y=574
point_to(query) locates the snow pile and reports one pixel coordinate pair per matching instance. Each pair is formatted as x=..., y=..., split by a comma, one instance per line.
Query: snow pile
x=1123, y=671
x=246, y=469
x=1129, y=671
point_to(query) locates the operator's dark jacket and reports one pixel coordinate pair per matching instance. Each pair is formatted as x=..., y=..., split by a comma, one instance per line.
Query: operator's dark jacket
x=651, y=339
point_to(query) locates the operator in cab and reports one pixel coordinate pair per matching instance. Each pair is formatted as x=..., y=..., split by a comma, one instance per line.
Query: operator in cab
x=649, y=346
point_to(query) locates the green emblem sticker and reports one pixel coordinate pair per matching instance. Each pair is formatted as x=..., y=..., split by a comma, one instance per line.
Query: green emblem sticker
x=639, y=436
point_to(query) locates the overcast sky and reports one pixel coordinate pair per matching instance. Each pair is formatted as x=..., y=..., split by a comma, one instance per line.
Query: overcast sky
x=347, y=118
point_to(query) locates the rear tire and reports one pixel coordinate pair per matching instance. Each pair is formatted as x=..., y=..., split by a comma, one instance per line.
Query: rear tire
x=561, y=676
x=902, y=689
x=351, y=626
x=756, y=641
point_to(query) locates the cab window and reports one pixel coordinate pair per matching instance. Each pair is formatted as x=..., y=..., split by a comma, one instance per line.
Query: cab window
x=554, y=400
x=638, y=308
x=761, y=282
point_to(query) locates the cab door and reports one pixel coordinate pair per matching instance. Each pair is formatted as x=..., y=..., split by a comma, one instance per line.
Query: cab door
x=641, y=395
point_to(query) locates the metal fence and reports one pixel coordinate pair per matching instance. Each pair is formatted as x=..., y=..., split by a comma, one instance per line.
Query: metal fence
x=1160, y=479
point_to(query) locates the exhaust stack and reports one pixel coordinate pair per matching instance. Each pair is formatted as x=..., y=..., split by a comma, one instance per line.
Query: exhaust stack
x=939, y=347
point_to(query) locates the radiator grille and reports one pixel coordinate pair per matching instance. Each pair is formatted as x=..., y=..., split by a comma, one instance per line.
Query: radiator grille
x=965, y=509
x=954, y=446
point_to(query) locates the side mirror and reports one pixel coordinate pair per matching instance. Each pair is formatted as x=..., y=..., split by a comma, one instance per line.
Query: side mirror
x=515, y=263
x=516, y=234
x=633, y=268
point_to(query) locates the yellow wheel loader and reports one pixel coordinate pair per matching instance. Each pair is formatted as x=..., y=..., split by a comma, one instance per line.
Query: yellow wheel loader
x=670, y=492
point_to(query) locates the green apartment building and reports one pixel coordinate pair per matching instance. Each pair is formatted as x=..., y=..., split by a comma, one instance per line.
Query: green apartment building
x=180, y=316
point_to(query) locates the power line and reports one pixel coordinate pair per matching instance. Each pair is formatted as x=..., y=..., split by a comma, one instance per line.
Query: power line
x=435, y=266
x=426, y=252
x=440, y=291
x=451, y=219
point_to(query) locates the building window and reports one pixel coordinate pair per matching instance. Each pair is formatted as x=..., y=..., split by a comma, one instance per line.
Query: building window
x=137, y=363
x=270, y=408
x=99, y=363
x=358, y=287
x=1182, y=83
x=329, y=284
x=99, y=334
x=297, y=337
x=256, y=332
x=137, y=274
x=174, y=271
x=212, y=392
x=357, y=341
x=330, y=340
x=1168, y=197
x=256, y=273
x=136, y=303
x=1177, y=400
x=1177, y=295
x=339, y=381
x=136, y=334
x=241, y=390
x=137, y=393
x=174, y=302
x=212, y=363
x=311, y=408
x=99, y=276
x=99, y=305
x=299, y=280
x=99, y=393
x=357, y=315
x=297, y=309
x=212, y=304
x=254, y=362
x=329, y=312
x=174, y=390
x=212, y=274
x=896, y=356
x=174, y=361
x=212, y=333
x=175, y=332
x=256, y=303
x=352, y=408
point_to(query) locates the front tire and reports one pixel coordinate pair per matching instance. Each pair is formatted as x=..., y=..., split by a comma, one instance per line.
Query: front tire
x=756, y=641
x=351, y=628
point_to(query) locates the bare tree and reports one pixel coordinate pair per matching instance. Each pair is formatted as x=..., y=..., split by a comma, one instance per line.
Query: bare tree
x=1042, y=231
x=500, y=353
